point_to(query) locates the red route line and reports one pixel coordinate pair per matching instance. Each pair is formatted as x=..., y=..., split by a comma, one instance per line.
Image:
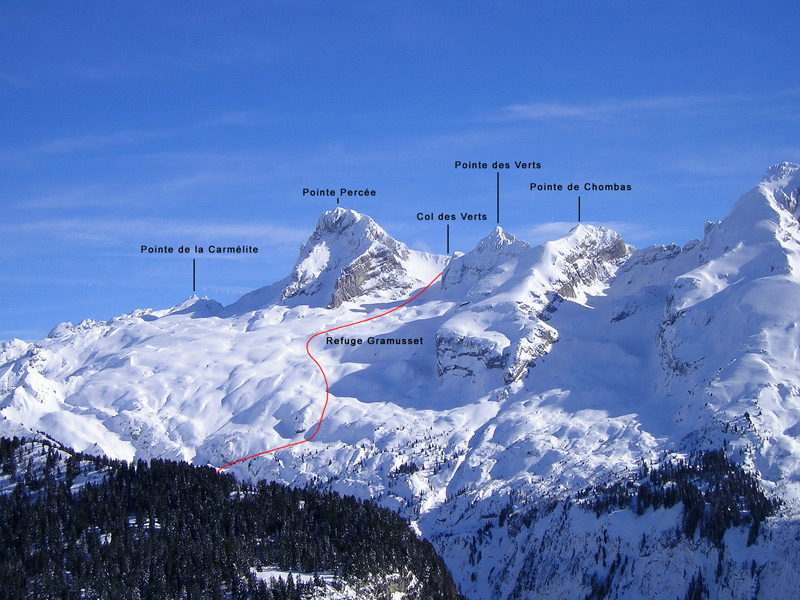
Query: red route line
x=327, y=393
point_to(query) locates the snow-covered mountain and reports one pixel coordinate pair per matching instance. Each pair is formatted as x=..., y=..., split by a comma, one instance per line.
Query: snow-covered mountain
x=349, y=256
x=542, y=372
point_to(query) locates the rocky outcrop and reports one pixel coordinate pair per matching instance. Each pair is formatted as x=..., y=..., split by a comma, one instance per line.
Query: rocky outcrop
x=380, y=269
x=349, y=256
x=508, y=332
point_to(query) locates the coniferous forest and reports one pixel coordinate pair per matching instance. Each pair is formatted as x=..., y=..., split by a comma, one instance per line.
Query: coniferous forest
x=716, y=494
x=79, y=526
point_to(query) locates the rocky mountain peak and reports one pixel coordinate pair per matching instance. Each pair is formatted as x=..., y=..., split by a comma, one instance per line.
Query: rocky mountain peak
x=781, y=173
x=196, y=306
x=349, y=255
x=499, y=240
x=766, y=213
x=347, y=223
x=595, y=242
x=782, y=182
x=495, y=249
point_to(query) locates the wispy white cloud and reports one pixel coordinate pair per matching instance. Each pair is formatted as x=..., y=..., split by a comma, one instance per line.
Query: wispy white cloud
x=729, y=162
x=105, y=71
x=632, y=233
x=543, y=232
x=77, y=197
x=89, y=142
x=120, y=232
x=608, y=109
x=540, y=111
x=239, y=117
x=97, y=141
x=66, y=145
x=50, y=280
x=227, y=289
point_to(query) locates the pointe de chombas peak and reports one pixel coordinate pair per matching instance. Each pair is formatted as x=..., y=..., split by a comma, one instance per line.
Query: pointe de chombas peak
x=530, y=414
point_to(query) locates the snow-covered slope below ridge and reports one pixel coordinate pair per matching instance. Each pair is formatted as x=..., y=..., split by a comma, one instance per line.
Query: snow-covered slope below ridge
x=542, y=370
x=212, y=384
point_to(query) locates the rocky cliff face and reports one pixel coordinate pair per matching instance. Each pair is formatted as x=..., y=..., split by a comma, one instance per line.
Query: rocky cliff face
x=510, y=290
x=380, y=269
x=349, y=256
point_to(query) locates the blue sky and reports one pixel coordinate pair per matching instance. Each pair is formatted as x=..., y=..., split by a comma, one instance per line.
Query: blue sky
x=200, y=123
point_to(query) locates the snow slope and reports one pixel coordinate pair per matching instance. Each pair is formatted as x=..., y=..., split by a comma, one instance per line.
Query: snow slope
x=543, y=370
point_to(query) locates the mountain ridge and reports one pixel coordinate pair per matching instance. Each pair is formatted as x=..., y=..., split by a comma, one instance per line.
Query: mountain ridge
x=543, y=371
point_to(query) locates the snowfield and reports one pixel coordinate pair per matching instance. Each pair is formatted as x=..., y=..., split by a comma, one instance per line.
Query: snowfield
x=543, y=371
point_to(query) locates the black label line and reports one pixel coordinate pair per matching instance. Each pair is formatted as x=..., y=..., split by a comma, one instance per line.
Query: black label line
x=448, y=238
x=579, y=209
x=194, y=275
x=498, y=197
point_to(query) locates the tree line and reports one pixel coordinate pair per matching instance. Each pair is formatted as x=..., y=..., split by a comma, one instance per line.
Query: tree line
x=716, y=494
x=79, y=526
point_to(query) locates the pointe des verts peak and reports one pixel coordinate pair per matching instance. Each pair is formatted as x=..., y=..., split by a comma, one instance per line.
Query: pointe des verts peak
x=539, y=369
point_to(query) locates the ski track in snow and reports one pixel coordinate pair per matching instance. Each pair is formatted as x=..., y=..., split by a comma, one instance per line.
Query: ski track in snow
x=327, y=392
